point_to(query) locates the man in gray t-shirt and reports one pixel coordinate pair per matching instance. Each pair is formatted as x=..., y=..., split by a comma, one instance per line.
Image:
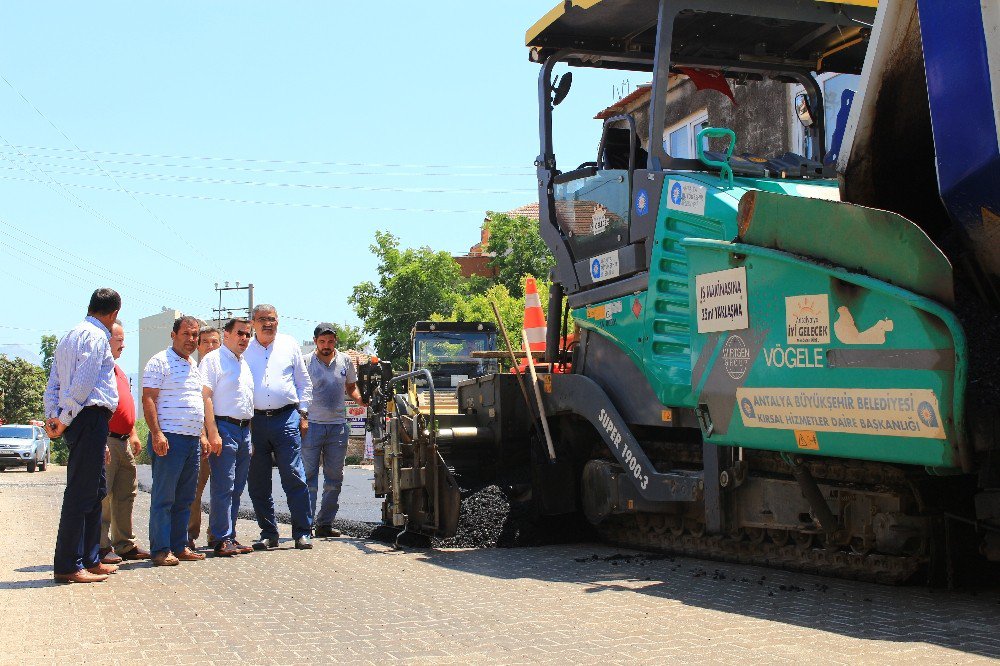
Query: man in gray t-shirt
x=333, y=378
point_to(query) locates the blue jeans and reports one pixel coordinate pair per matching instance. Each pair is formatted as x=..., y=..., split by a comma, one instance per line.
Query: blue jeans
x=229, y=477
x=326, y=441
x=277, y=438
x=175, y=479
x=79, y=536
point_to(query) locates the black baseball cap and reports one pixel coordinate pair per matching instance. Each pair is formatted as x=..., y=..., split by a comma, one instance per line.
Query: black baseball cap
x=325, y=328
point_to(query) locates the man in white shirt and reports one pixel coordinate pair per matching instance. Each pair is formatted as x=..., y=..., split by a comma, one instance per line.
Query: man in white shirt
x=209, y=340
x=175, y=413
x=228, y=394
x=282, y=391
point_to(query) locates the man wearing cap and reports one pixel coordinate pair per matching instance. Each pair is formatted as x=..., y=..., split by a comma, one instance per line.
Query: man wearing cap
x=282, y=392
x=333, y=378
x=117, y=537
x=228, y=394
x=208, y=341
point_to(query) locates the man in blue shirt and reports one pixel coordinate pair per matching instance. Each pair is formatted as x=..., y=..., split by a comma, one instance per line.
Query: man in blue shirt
x=333, y=379
x=79, y=400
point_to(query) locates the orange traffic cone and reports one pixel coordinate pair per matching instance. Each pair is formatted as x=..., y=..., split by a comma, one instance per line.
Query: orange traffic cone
x=534, y=318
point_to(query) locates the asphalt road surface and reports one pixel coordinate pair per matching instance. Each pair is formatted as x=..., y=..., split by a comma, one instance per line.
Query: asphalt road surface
x=357, y=502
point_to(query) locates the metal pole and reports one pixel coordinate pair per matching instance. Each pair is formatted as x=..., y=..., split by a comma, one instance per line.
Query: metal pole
x=538, y=396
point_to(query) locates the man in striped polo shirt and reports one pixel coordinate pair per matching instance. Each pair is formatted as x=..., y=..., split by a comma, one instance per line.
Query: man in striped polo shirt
x=175, y=412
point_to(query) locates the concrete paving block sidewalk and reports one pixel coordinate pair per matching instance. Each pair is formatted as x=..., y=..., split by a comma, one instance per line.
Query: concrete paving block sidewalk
x=351, y=601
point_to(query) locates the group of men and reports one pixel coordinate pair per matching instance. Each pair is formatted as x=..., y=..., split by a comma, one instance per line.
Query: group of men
x=250, y=402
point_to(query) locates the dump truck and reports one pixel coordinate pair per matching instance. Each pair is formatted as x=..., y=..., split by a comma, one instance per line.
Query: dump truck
x=782, y=359
x=446, y=348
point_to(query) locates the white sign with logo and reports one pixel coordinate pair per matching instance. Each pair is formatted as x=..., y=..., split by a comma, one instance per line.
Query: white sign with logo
x=807, y=318
x=887, y=412
x=604, y=266
x=722, y=300
x=685, y=196
x=356, y=415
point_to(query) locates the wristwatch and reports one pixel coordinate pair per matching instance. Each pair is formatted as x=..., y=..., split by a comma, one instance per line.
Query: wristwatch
x=304, y=413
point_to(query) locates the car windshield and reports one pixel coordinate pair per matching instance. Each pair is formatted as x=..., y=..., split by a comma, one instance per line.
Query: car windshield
x=17, y=431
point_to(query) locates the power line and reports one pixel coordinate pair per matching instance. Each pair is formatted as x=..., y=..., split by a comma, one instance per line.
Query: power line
x=311, y=172
x=289, y=204
x=107, y=271
x=98, y=165
x=144, y=175
x=274, y=161
x=85, y=207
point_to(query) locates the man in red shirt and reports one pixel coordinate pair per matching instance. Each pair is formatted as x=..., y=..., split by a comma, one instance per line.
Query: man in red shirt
x=117, y=538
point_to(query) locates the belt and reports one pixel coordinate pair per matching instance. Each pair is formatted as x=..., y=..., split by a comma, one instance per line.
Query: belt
x=100, y=409
x=124, y=438
x=274, y=412
x=229, y=419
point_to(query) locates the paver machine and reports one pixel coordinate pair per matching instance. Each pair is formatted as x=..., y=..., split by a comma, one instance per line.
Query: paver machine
x=773, y=363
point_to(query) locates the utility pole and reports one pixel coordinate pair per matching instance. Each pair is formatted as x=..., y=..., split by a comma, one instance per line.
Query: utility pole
x=223, y=314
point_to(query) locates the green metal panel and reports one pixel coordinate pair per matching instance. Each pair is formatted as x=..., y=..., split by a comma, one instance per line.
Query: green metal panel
x=882, y=244
x=831, y=363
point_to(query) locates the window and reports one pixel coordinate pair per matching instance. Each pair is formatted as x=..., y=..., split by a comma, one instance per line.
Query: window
x=679, y=138
x=838, y=92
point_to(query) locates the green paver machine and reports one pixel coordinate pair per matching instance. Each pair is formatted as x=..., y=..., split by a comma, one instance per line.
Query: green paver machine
x=764, y=373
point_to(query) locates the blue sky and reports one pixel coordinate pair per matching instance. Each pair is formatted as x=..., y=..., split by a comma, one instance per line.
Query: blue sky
x=159, y=149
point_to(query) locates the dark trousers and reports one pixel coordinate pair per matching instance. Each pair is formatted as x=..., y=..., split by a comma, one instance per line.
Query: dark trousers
x=277, y=438
x=79, y=537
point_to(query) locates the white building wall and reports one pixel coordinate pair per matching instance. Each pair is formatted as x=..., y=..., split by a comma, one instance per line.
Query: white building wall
x=154, y=337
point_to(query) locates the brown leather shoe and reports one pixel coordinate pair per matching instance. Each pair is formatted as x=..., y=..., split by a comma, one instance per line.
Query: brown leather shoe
x=81, y=576
x=108, y=556
x=165, y=558
x=102, y=569
x=225, y=548
x=188, y=555
x=192, y=545
x=136, y=553
x=243, y=550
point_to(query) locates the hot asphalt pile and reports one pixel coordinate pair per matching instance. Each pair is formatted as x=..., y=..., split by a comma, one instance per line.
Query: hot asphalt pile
x=488, y=520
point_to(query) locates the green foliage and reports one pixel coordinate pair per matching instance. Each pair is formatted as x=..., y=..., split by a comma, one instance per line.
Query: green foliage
x=22, y=386
x=352, y=460
x=519, y=250
x=142, y=430
x=48, y=352
x=476, y=307
x=350, y=337
x=412, y=285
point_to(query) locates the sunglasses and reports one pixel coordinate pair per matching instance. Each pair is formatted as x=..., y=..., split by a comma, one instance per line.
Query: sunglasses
x=244, y=334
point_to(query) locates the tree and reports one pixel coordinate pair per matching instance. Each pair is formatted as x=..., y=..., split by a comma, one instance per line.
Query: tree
x=48, y=351
x=518, y=250
x=350, y=337
x=22, y=386
x=412, y=285
x=476, y=307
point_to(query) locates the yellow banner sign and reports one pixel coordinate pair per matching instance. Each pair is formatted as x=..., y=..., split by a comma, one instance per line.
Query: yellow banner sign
x=885, y=412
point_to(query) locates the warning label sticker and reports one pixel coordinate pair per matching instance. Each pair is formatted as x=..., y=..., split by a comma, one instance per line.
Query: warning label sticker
x=722, y=300
x=808, y=319
x=886, y=412
x=686, y=196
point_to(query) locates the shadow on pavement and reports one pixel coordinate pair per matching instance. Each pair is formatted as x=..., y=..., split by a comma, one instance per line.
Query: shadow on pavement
x=960, y=621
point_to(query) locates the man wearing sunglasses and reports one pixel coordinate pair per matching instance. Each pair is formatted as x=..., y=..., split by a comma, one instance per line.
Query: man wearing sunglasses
x=228, y=394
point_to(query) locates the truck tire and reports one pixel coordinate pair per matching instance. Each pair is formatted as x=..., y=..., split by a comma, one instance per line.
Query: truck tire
x=44, y=465
x=32, y=465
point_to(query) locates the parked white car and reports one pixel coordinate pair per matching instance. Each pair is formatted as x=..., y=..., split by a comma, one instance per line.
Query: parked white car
x=23, y=446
